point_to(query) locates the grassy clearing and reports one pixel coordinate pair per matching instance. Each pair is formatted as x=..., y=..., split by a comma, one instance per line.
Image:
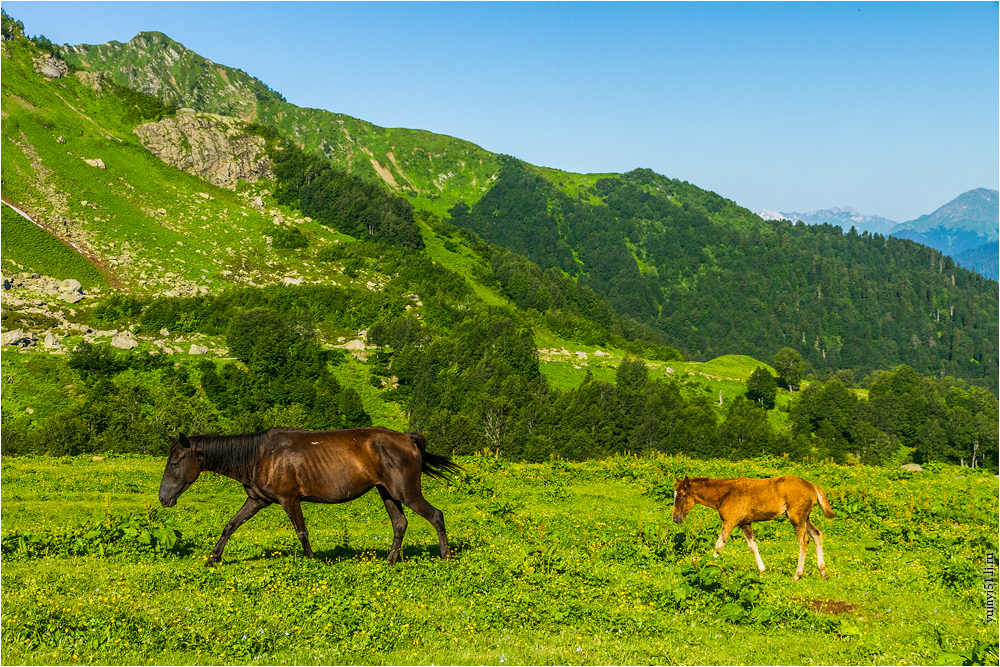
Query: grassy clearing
x=458, y=261
x=565, y=563
x=28, y=247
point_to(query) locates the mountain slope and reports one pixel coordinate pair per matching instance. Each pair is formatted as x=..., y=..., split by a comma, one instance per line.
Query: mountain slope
x=976, y=211
x=982, y=259
x=232, y=302
x=966, y=223
x=689, y=266
x=423, y=166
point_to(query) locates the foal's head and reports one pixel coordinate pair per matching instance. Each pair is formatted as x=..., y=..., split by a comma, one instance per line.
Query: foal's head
x=183, y=468
x=683, y=501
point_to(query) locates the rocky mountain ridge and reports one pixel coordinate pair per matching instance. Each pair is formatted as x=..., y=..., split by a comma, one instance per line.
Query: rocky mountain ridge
x=432, y=170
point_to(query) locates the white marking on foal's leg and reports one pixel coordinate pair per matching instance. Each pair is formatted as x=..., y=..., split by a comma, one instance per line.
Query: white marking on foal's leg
x=752, y=543
x=817, y=536
x=803, y=539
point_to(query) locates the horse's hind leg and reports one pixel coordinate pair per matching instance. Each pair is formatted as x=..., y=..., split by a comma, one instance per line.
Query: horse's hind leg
x=395, y=510
x=250, y=507
x=817, y=536
x=294, y=511
x=801, y=533
x=752, y=543
x=434, y=516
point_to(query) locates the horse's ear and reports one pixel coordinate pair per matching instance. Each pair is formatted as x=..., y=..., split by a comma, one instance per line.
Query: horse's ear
x=182, y=439
x=685, y=479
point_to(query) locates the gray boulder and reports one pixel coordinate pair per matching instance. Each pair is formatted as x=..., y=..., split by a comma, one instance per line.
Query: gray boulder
x=15, y=337
x=123, y=342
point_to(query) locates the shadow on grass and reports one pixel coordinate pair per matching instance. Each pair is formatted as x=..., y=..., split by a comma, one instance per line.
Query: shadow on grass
x=337, y=554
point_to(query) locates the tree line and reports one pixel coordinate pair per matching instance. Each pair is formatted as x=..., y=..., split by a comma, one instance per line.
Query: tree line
x=469, y=376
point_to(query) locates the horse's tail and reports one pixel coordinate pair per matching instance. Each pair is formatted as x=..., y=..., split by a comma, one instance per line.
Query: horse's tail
x=823, y=503
x=433, y=465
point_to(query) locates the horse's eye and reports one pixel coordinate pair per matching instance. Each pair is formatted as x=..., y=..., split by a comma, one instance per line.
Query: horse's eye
x=174, y=464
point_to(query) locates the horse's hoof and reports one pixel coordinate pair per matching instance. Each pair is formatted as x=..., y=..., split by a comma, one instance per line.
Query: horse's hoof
x=210, y=562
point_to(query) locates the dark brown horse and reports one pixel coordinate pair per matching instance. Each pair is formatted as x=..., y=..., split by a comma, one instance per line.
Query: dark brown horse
x=742, y=501
x=287, y=466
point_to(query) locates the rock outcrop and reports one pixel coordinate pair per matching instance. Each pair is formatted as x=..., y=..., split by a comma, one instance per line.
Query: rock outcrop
x=50, y=66
x=215, y=148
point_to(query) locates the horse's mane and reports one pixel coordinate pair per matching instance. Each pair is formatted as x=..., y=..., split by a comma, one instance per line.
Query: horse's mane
x=230, y=455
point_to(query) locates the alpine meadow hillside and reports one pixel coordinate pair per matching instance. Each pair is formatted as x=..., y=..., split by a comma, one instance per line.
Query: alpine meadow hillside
x=235, y=271
x=185, y=252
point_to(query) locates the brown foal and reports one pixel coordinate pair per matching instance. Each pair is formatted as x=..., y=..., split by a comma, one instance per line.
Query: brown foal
x=742, y=501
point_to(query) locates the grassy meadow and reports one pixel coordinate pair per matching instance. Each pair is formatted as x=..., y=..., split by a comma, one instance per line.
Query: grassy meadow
x=556, y=563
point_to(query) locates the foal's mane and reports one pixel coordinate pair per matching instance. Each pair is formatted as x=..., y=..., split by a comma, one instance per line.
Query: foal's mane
x=230, y=455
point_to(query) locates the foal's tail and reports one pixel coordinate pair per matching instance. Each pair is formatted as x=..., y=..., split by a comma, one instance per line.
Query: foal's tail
x=433, y=465
x=823, y=503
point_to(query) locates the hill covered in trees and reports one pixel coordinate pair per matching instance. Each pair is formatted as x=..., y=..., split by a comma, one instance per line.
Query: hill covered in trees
x=716, y=279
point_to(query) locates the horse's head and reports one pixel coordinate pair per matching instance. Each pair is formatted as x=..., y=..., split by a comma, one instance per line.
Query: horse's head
x=683, y=501
x=183, y=468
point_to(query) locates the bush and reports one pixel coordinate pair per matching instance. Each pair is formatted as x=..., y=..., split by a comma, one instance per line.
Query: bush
x=288, y=238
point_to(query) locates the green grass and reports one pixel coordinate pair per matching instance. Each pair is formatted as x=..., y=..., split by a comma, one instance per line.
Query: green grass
x=354, y=373
x=566, y=563
x=31, y=247
x=461, y=262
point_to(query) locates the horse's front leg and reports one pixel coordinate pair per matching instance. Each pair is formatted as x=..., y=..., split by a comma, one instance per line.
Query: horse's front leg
x=250, y=507
x=395, y=510
x=727, y=528
x=293, y=509
x=752, y=543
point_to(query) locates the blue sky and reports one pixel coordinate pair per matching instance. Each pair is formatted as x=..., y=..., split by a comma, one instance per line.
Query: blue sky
x=891, y=108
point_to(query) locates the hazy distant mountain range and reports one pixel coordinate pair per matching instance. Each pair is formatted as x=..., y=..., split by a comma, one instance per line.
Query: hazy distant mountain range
x=967, y=228
x=845, y=217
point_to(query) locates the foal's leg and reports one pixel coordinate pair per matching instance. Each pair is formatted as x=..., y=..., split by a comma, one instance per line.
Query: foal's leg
x=293, y=509
x=803, y=537
x=395, y=510
x=727, y=528
x=817, y=536
x=748, y=533
x=434, y=516
x=250, y=507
